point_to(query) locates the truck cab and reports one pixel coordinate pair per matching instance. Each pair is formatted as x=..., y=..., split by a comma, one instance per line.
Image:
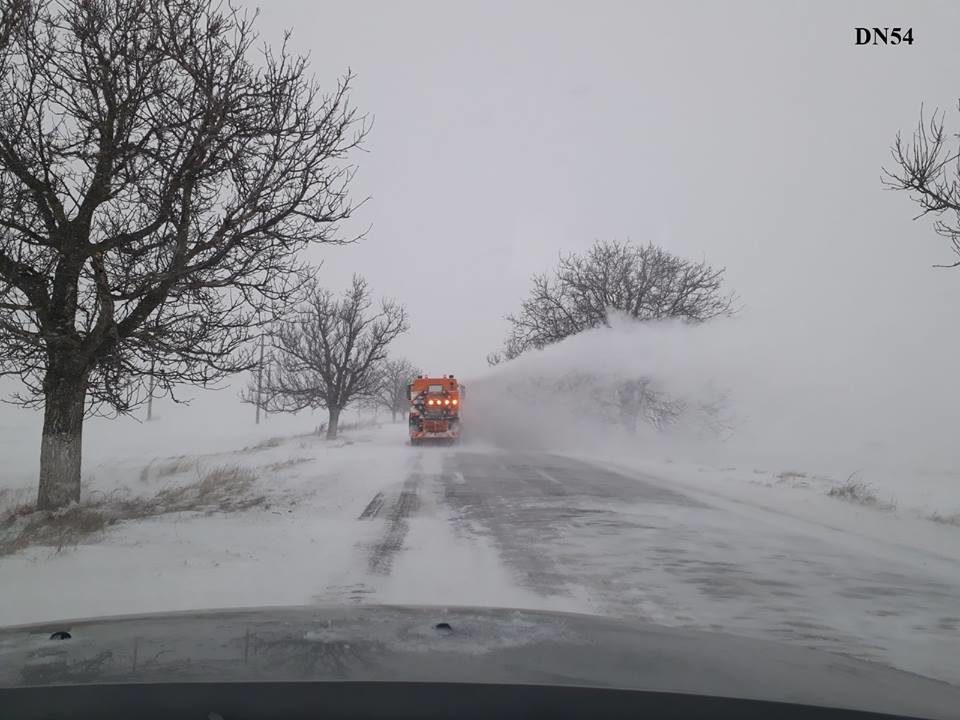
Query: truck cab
x=435, y=406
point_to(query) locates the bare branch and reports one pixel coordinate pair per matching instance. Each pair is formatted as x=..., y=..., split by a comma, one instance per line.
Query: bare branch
x=645, y=283
x=928, y=169
x=157, y=183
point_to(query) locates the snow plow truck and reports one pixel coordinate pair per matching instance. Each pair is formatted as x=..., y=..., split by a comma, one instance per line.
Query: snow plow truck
x=435, y=405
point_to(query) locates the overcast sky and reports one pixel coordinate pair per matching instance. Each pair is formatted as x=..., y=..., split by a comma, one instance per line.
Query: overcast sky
x=748, y=134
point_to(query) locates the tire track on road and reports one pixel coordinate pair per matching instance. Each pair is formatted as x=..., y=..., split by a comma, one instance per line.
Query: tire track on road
x=373, y=507
x=381, y=558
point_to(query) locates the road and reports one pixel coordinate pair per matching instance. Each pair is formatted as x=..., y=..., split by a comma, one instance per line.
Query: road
x=568, y=534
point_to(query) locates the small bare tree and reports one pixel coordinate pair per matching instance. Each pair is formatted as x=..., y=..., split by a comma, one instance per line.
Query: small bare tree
x=156, y=186
x=646, y=283
x=393, y=386
x=330, y=351
x=928, y=167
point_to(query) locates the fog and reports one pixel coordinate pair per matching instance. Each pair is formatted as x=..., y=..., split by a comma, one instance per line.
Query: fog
x=748, y=134
x=744, y=395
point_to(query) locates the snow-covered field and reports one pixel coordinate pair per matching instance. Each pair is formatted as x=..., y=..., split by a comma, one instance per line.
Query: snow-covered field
x=553, y=503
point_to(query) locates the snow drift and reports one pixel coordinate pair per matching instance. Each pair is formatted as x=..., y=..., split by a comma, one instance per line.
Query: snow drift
x=727, y=392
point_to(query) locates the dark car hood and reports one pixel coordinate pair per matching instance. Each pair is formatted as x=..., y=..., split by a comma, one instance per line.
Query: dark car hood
x=374, y=643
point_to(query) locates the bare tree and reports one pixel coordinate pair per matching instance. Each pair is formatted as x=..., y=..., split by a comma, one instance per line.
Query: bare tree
x=393, y=386
x=156, y=186
x=646, y=283
x=928, y=167
x=330, y=352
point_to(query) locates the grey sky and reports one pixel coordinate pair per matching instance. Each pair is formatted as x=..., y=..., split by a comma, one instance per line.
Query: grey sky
x=750, y=134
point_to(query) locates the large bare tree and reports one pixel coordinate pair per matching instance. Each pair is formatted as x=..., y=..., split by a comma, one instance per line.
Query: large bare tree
x=330, y=351
x=928, y=167
x=643, y=282
x=393, y=386
x=158, y=177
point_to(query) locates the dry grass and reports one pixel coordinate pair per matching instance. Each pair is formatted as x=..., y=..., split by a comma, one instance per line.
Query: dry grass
x=358, y=425
x=265, y=444
x=857, y=491
x=166, y=468
x=12, y=498
x=320, y=431
x=853, y=490
x=222, y=489
x=284, y=464
x=23, y=527
x=793, y=478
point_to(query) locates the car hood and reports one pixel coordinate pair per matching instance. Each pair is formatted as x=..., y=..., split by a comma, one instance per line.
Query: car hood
x=433, y=644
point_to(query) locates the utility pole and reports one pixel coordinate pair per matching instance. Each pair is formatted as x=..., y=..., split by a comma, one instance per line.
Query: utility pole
x=152, y=385
x=259, y=382
x=153, y=368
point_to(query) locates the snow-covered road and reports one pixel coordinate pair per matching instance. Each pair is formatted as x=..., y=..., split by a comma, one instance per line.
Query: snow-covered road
x=579, y=536
x=378, y=521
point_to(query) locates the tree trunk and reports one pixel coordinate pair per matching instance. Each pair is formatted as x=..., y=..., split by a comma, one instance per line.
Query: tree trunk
x=60, y=447
x=334, y=421
x=393, y=415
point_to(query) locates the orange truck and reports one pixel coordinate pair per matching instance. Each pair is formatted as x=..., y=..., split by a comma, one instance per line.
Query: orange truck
x=435, y=405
